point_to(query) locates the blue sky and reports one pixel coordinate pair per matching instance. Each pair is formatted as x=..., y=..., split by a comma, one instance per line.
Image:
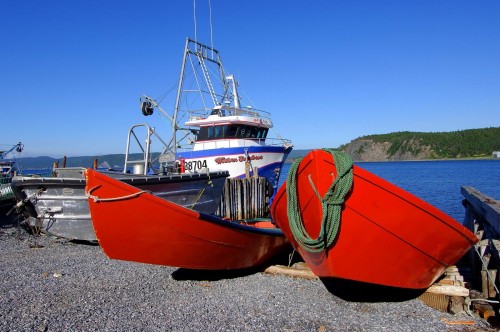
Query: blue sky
x=71, y=72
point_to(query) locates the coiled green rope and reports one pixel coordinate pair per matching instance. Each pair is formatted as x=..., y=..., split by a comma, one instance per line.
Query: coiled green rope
x=331, y=203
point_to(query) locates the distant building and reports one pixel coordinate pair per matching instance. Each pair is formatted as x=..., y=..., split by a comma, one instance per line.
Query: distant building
x=496, y=154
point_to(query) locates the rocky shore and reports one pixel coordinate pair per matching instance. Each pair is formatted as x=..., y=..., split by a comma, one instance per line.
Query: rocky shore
x=51, y=284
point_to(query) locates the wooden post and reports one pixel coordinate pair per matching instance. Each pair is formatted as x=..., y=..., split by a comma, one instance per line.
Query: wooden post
x=488, y=284
x=244, y=199
x=247, y=169
x=226, y=199
x=54, y=166
x=255, y=172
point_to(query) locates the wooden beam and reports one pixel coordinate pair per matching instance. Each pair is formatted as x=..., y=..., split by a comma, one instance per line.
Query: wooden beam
x=290, y=271
x=451, y=290
x=483, y=205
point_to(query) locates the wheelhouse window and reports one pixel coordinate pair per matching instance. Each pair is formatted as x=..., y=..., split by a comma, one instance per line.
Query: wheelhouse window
x=231, y=131
x=212, y=132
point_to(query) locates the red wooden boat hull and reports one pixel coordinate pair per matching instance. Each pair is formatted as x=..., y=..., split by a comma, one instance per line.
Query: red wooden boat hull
x=387, y=236
x=148, y=229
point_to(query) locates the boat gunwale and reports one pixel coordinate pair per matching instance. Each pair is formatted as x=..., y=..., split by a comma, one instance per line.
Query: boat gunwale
x=165, y=204
x=23, y=181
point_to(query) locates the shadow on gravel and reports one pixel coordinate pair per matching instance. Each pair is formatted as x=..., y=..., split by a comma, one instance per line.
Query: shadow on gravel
x=7, y=221
x=85, y=243
x=11, y=225
x=208, y=275
x=362, y=292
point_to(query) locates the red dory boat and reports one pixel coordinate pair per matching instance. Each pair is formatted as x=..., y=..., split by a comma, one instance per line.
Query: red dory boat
x=363, y=228
x=134, y=225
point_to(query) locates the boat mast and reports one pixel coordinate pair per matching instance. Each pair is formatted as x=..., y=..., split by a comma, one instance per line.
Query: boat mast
x=202, y=53
x=178, y=98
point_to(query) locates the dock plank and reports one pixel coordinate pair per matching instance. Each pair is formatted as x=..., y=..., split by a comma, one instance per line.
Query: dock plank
x=486, y=207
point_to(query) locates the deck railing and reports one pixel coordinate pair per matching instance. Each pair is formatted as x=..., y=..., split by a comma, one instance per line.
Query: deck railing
x=232, y=143
x=229, y=111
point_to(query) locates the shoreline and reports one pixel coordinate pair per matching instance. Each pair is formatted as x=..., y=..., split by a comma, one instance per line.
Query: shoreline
x=290, y=161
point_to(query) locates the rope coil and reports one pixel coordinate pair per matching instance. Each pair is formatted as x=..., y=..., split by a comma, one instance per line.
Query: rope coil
x=113, y=199
x=331, y=203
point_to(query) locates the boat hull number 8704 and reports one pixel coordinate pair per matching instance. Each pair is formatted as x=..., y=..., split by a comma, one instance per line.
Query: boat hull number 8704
x=195, y=165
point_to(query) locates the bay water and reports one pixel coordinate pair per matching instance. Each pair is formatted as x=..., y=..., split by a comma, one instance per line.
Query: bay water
x=437, y=182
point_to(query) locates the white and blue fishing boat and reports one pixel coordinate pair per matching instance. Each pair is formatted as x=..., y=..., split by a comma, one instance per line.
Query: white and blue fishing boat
x=211, y=126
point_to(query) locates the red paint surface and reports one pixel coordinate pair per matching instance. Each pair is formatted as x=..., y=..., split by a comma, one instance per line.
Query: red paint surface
x=387, y=236
x=148, y=229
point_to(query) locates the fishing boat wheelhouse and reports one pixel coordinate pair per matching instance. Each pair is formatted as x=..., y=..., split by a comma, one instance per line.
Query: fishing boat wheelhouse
x=229, y=128
x=210, y=127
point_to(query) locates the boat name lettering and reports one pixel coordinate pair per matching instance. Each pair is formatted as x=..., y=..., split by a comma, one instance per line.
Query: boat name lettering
x=224, y=160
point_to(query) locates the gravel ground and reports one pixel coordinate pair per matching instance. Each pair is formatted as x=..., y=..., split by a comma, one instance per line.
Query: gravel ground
x=50, y=284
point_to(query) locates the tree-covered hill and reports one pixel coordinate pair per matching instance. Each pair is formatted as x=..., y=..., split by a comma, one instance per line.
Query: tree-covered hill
x=405, y=145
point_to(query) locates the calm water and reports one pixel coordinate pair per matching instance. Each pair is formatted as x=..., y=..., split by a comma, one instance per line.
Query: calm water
x=438, y=182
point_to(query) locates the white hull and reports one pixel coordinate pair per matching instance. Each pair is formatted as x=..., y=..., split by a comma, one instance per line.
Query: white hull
x=235, y=162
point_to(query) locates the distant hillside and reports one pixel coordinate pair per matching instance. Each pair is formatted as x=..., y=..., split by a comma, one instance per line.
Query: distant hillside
x=113, y=160
x=471, y=143
x=296, y=154
x=110, y=160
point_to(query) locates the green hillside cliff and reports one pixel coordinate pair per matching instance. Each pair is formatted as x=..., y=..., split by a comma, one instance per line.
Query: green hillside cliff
x=405, y=145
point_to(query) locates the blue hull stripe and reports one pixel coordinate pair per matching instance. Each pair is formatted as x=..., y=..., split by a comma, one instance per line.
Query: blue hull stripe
x=230, y=151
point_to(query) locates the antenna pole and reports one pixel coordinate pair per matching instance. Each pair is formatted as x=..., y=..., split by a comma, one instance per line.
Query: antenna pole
x=211, y=35
x=194, y=17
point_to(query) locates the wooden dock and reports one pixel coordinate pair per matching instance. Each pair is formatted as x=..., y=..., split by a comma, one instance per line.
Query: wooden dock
x=482, y=216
